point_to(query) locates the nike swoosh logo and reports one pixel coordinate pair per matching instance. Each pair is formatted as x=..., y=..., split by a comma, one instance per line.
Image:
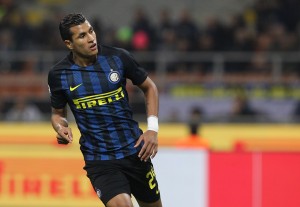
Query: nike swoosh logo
x=75, y=87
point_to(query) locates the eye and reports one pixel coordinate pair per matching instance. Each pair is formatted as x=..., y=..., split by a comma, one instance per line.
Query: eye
x=91, y=30
x=81, y=35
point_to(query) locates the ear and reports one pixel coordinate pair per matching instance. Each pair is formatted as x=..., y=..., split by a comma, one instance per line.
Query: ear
x=69, y=44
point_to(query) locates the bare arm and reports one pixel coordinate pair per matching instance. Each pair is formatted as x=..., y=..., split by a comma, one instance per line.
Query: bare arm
x=60, y=125
x=151, y=97
x=149, y=138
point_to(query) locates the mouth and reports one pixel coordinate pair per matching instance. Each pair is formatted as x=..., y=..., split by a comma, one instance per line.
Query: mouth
x=93, y=46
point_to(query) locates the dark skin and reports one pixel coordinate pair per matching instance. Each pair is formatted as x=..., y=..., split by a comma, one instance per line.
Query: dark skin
x=83, y=45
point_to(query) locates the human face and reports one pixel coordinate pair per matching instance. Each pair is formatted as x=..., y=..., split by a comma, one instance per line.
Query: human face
x=84, y=43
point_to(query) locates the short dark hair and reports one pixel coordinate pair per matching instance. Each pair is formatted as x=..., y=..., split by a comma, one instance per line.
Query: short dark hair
x=69, y=21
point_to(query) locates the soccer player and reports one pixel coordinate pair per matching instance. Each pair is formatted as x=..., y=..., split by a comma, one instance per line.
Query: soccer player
x=92, y=81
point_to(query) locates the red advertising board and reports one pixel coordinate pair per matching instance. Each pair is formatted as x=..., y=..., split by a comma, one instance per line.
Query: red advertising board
x=254, y=179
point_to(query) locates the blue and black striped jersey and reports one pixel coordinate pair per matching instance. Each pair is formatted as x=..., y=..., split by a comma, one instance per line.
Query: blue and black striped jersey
x=98, y=99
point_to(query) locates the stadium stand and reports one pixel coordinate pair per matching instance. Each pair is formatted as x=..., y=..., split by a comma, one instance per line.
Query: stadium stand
x=252, y=44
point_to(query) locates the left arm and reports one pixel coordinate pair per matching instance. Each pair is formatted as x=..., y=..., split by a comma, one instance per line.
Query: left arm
x=151, y=97
x=149, y=137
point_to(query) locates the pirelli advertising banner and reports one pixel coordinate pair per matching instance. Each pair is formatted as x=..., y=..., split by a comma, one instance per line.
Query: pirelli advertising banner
x=37, y=172
x=44, y=181
x=58, y=181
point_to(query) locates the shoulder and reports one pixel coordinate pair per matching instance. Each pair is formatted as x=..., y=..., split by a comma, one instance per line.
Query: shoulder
x=109, y=50
x=60, y=65
x=57, y=69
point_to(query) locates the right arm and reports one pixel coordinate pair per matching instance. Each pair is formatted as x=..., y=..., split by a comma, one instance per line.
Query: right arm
x=60, y=125
x=59, y=111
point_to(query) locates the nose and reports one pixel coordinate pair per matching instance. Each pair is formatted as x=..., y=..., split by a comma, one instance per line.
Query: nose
x=91, y=37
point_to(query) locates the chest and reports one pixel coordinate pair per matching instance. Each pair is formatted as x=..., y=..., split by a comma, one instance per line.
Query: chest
x=94, y=80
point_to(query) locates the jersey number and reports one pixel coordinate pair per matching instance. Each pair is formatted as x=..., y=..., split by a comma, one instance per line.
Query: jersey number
x=151, y=176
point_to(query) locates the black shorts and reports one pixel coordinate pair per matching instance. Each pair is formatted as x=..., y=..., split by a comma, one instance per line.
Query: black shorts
x=128, y=175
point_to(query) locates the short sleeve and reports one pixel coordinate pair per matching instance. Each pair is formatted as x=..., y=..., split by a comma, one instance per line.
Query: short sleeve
x=133, y=70
x=57, y=96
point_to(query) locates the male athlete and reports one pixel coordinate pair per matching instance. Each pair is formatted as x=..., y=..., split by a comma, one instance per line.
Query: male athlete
x=92, y=81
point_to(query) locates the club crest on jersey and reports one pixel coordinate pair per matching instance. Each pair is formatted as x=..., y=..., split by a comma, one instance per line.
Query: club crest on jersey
x=114, y=76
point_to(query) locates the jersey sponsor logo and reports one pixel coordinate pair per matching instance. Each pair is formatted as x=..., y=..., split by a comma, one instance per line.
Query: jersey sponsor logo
x=99, y=99
x=114, y=76
x=75, y=87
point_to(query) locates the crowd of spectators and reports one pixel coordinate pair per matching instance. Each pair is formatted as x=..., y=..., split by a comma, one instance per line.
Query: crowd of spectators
x=271, y=25
x=265, y=26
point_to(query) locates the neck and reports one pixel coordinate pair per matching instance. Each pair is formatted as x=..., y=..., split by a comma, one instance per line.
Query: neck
x=84, y=61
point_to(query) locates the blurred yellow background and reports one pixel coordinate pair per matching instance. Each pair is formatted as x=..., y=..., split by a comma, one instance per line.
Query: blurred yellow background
x=219, y=136
x=35, y=171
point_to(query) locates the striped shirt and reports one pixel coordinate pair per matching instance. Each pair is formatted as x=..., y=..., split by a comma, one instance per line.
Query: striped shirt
x=99, y=101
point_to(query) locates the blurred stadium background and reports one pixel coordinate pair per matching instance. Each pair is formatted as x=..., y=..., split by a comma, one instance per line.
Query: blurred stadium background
x=228, y=75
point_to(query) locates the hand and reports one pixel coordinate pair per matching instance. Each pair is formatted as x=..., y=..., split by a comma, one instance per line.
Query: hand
x=64, y=135
x=150, y=146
